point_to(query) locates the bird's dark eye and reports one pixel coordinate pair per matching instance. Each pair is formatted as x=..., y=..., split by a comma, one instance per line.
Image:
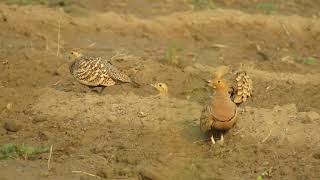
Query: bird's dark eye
x=219, y=81
x=160, y=85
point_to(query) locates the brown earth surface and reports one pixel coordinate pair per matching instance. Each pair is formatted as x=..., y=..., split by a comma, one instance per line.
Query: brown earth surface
x=128, y=133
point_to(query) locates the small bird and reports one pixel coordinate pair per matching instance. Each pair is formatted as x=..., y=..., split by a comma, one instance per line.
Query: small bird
x=95, y=71
x=220, y=114
x=162, y=88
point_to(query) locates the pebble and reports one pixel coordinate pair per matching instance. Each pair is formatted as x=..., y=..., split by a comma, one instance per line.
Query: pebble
x=4, y=18
x=38, y=119
x=304, y=118
x=12, y=126
x=142, y=114
x=316, y=156
x=105, y=172
x=111, y=118
x=313, y=115
x=308, y=117
x=2, y=131
x=150, y=173
x=44, y=135
x=125, y=172
x=9, y=106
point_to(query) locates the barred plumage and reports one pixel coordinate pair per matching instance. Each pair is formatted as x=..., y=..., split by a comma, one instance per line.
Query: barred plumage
x=95, y=71
x=242, y=87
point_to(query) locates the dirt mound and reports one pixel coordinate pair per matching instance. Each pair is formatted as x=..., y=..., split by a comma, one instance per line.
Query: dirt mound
x=153, y=111
x=171, y=127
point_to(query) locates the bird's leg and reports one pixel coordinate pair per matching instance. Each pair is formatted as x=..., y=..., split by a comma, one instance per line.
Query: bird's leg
x=212, y=139
x=98, y=89
x=101, y=89
x=221, y=139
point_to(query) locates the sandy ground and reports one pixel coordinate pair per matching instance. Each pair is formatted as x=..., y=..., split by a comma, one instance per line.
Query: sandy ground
x=127, y=132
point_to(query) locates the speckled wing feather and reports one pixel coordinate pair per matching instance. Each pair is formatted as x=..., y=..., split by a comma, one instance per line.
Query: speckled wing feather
x=115, y=73
x=242, y=87
x=91, y=71
x=205, y=122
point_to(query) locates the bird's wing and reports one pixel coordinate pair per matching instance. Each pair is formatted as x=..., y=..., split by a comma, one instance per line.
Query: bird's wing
x=115, y=73
x=205, y=120
x=91, y=71
x=241, y=87
x=106, y=80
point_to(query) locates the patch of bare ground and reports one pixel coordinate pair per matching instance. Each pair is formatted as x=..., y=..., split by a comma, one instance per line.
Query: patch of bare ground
x=128, y=133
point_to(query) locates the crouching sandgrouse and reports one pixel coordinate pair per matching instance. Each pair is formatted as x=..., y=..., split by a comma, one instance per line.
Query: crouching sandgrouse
x=95, y=71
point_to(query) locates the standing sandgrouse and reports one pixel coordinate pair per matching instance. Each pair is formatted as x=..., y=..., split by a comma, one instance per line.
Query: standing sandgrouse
x=220, y=114
x=95, y=71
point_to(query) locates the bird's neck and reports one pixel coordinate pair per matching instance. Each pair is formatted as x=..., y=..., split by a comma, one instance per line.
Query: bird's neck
x=219, y=93
x=222, y=90
x=163, y=93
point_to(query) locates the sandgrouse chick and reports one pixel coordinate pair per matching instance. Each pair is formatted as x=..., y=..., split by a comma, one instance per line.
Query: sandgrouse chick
x=95, y=71
x=162, y=88
x=220, y=114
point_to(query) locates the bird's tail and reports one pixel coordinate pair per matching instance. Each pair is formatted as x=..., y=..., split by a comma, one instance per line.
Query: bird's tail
x=242, y=88
x=134, y=83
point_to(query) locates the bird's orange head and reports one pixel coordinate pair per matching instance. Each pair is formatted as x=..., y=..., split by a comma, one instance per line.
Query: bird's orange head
x=218, y=82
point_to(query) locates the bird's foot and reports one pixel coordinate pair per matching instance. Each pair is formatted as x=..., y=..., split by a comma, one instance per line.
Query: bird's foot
x=98, y=90
x=221, y=139
x=212, y=140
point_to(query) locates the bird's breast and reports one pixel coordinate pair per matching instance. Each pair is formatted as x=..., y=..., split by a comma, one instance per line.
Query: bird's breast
x=223, y=112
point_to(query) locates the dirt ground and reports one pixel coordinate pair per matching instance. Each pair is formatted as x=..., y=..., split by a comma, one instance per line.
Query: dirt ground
x=128, y=133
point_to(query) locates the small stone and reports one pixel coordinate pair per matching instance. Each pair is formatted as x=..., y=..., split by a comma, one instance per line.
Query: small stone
x=112, y=118
x=9, y=106
x=313, y=115
x=2, y=131
x=151, y=173
x=308, y=117
x=44, y=135
x=85, y=178
x=45, y=173
x=38, y=119
x=266, y=163
x=59, y=87
x=132, y=160
x=105, y=172
x=142, y=114
x=277, y=108
x=99, y=148
x=316, y=156
x=3, y=17
x=12, y=126
x=303, y=118
x=100, y=103
x=125, y=172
